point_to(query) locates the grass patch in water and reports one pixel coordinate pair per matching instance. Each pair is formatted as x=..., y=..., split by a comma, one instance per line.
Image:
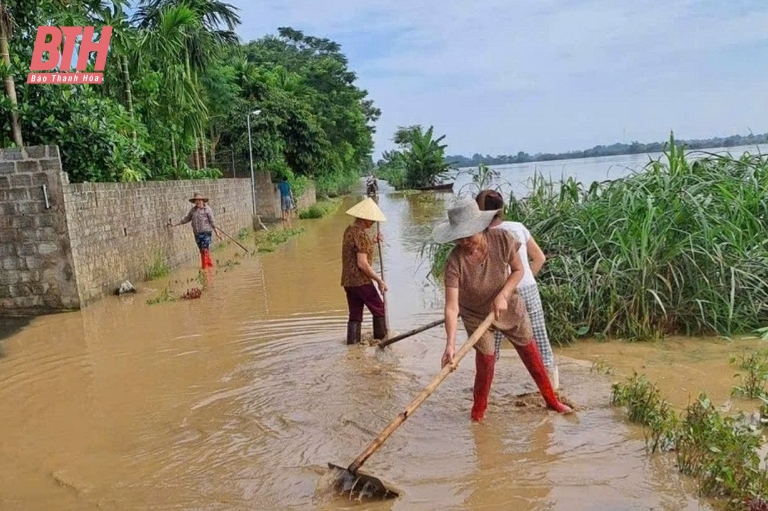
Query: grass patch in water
x=320, y=209
x=157, y=266
x=267, y=241
x=166, y=295
x=678, y=248
x=228, y=265
x=719, y=451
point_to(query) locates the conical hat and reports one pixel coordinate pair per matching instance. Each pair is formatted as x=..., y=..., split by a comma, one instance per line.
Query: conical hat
x=367, y=210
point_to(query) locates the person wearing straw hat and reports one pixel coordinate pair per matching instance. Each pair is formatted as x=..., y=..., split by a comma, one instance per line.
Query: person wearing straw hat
x=528, y=289
x=357, y=274
x=481, y=275
x=203, y=226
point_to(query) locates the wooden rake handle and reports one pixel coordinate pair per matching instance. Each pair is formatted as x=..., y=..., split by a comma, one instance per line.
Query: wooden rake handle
x=409, y=333
x=418, y=400
x=233, y=239
x=381, y=265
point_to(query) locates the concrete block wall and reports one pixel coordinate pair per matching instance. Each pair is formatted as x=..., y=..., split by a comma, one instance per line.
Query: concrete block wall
x=63, y=246
x=118, y=230
x=37, y=273
x=268, y=197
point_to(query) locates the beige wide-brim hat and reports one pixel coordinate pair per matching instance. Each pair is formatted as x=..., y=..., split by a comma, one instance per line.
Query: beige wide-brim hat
x=464, y=220
x=198, y=196
x=367, y=209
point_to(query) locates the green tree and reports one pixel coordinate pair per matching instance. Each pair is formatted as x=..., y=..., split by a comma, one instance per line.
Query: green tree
x=422, y=156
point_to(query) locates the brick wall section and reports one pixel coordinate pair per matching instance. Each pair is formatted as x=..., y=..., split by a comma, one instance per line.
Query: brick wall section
x=118, y=230
x=268, y=204
x=92, y=236
x=266, y=207
x=307, y=198
x=36, y=264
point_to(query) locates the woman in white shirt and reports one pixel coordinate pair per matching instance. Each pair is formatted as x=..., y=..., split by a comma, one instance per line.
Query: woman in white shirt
x=533, y=259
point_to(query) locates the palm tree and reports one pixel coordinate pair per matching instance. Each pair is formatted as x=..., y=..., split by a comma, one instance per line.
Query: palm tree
x=213, y=13
x=6, y=29
x=165, y=46
x=203, y=38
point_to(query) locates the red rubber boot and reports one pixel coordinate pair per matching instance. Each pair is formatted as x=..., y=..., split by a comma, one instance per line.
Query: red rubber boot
x=202, y=258
x=484, y=368
x=207, y=262
x=529, y=354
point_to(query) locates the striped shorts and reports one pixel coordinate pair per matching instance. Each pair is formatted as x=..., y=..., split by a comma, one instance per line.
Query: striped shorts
x=530, y=295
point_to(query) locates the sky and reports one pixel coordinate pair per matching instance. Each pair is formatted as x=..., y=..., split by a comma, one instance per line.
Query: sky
x=502, y=76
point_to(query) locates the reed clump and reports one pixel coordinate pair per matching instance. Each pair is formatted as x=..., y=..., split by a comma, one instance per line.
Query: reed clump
x=678, y=248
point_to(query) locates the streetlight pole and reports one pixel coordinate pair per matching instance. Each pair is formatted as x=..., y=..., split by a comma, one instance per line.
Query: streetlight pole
x=250, y=155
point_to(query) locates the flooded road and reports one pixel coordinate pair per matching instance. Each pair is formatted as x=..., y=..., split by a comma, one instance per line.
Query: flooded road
x=238, y=400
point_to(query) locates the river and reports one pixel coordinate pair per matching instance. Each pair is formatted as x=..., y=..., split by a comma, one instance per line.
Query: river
x=238, y=400
x=515, y=178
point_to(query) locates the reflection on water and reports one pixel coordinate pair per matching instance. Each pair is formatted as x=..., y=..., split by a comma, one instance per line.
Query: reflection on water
x=238, y=400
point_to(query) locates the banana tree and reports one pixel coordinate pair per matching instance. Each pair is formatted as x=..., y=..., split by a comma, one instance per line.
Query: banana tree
x=423, y=156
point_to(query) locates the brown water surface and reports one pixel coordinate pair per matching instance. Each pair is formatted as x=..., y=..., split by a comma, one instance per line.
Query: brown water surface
x=238, y=400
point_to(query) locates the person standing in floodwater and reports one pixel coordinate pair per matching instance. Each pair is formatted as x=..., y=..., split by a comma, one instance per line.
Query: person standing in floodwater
x=491, y=200
x=286, y=198
x=477, y=282
x=203, y=226
x=357, y=274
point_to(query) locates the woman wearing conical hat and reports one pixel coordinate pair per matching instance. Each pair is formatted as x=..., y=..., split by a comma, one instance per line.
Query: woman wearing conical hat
x=203, y=226
x=357, y=274
x=481, y=275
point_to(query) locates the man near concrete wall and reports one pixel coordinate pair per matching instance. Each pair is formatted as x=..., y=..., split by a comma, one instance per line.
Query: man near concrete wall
x=286, y=198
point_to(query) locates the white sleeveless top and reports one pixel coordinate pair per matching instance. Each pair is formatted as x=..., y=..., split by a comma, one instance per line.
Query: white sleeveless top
x=521, y=234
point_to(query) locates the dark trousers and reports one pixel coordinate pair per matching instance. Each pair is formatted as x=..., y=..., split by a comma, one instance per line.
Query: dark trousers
x=367, y=296
x=203, y=240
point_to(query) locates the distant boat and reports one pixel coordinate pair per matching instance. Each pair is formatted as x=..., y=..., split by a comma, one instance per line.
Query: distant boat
x=445, y=187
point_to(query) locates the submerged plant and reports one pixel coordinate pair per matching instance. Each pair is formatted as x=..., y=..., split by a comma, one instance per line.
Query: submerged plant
x=720, y=451
x=600, y=366
x=646, y=407
x=166, y=295
x=755, y=367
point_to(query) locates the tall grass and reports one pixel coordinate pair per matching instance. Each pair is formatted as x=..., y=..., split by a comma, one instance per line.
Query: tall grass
x=679, y=248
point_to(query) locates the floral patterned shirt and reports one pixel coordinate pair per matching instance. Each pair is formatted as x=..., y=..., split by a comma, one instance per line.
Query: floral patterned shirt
x=355, y=241
x=201, y=218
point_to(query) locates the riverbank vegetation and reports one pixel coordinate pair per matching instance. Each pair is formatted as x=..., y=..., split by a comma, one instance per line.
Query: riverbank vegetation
x=720, y=451
x=320, y=209
x=678, y=248
x=418, y=162
x=615, y=149
x=178, y=88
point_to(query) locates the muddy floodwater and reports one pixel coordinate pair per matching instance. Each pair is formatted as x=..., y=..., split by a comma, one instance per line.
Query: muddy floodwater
x=238, y=400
